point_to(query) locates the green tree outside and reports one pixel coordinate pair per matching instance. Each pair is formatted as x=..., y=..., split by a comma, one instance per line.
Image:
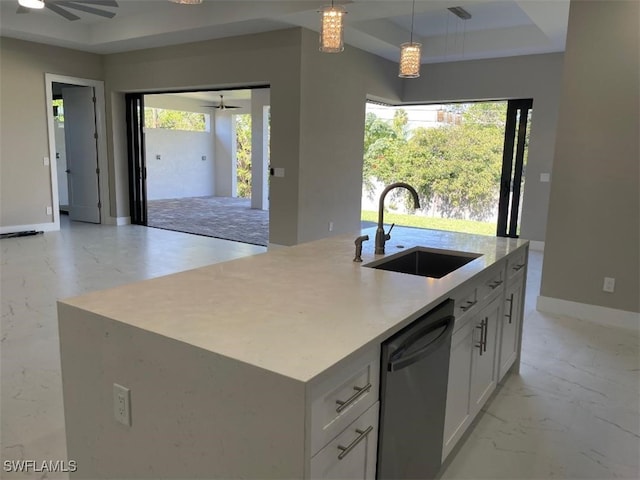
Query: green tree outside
x=243, y=155
x=455, y=168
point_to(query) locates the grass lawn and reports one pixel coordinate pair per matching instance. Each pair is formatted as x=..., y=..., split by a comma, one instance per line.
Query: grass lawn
x=453, y=225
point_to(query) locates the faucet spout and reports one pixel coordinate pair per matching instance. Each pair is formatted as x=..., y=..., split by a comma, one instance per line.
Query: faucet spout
x=381, y=236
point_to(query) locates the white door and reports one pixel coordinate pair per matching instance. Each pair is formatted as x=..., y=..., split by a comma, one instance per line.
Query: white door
x=82, y=153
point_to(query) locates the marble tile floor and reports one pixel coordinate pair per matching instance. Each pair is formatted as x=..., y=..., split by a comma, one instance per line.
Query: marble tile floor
x=571, y=413
x=34, y=273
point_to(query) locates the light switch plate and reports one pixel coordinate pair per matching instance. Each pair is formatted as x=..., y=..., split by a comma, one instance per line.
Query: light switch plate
x=278, y=172
x=545, y=177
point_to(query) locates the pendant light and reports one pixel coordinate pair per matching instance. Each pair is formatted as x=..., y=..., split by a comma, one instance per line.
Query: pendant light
x=410, y=54
x=31, y=3
x=332, y=28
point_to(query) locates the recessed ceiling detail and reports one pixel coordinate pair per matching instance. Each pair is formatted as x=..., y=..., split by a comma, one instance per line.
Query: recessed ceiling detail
x=496, y=28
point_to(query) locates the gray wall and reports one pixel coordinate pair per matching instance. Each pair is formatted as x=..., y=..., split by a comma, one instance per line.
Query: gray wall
x=25, y=182
x=594, y=212
x=271, y=58
x=317, y=117
x=529, y=76
x=334, y=90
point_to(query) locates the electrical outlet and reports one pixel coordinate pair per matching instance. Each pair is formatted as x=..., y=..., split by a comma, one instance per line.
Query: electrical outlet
x=45, y=161
x=331, y=226
x=158, y=157
x=49, y=211
x=609, y=284
x=203, y=158
x=545, y=177
x=122, y=404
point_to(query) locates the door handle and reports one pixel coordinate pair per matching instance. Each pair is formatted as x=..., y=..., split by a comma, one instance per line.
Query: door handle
x=67, y=171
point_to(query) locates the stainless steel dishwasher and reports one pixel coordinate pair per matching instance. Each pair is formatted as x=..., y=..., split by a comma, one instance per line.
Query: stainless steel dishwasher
x=413, y=391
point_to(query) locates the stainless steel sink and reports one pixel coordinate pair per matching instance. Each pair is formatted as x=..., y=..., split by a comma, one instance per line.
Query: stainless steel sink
x=426, y=262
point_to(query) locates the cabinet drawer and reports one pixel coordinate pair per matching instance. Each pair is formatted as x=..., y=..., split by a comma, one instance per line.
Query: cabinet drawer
x=465, y=303
x=516, y=263
x=352, y=454
x=491, y=282
x=343, y=397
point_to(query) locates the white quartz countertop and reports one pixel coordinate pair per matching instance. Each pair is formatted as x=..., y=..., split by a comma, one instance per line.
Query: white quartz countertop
x=296, y=311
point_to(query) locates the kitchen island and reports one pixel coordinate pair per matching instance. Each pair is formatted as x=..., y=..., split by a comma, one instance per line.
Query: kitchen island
x=234, y=369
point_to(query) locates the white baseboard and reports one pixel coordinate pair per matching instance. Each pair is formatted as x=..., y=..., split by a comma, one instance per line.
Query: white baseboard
x=536, y=245
x=119, y=221
x=593, y=313
x=38, y=227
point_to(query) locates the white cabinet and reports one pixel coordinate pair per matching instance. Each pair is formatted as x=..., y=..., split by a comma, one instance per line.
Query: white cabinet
x=353, y=453
x=511, y=325
x=485, y=342
x=344, y=420
x=483, y=360
x=458, y=414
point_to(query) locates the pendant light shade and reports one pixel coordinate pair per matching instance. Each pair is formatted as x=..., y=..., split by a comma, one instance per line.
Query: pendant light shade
x=410, y=54
x=31, y=3
x=332, y=29
x=187, y=2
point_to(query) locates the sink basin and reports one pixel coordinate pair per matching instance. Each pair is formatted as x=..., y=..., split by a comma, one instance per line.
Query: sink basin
x=425, y=262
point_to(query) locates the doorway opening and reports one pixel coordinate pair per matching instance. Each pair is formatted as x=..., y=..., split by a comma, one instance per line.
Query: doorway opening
x=77, y=148
x=198, y=162
x=460, y=157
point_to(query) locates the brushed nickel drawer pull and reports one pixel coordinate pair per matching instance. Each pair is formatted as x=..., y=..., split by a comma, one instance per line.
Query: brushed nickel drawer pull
x=495, y=284
x=510, y=314
x=486, y=332
x=359, y=392
x=362, y=434
x=481, y=327
x=518, y=267
x=469, y=304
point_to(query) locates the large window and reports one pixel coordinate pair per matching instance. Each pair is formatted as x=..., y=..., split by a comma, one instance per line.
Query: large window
x=453, y=155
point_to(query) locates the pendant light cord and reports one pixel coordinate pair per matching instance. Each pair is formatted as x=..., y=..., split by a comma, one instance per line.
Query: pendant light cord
x=413, y=12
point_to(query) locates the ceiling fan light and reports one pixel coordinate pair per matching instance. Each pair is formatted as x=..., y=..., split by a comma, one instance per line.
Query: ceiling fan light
x=36, y=4
x=410, y=54
x=332, y=29
x=187, y=2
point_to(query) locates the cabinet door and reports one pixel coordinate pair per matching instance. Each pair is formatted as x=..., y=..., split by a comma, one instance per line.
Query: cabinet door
x=458, y=415
x=353, y=453
x=511, y=324
x=483, y=365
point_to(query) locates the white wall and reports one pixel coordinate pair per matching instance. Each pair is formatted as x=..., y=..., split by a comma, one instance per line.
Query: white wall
x=180, y=172
x=225, y=166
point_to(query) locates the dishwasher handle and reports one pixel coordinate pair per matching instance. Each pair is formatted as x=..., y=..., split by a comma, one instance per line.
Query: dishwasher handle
x=401, y=361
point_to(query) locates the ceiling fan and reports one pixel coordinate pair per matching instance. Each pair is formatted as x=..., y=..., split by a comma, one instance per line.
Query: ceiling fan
x=61, y=7
x=222, y=105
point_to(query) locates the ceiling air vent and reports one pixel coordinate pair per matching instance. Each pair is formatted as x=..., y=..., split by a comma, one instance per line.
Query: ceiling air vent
x=460, y=12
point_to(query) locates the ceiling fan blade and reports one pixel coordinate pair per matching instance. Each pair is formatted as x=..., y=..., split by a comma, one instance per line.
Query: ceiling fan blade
x=61, y=11
x=104, y=3
x=87, y=9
